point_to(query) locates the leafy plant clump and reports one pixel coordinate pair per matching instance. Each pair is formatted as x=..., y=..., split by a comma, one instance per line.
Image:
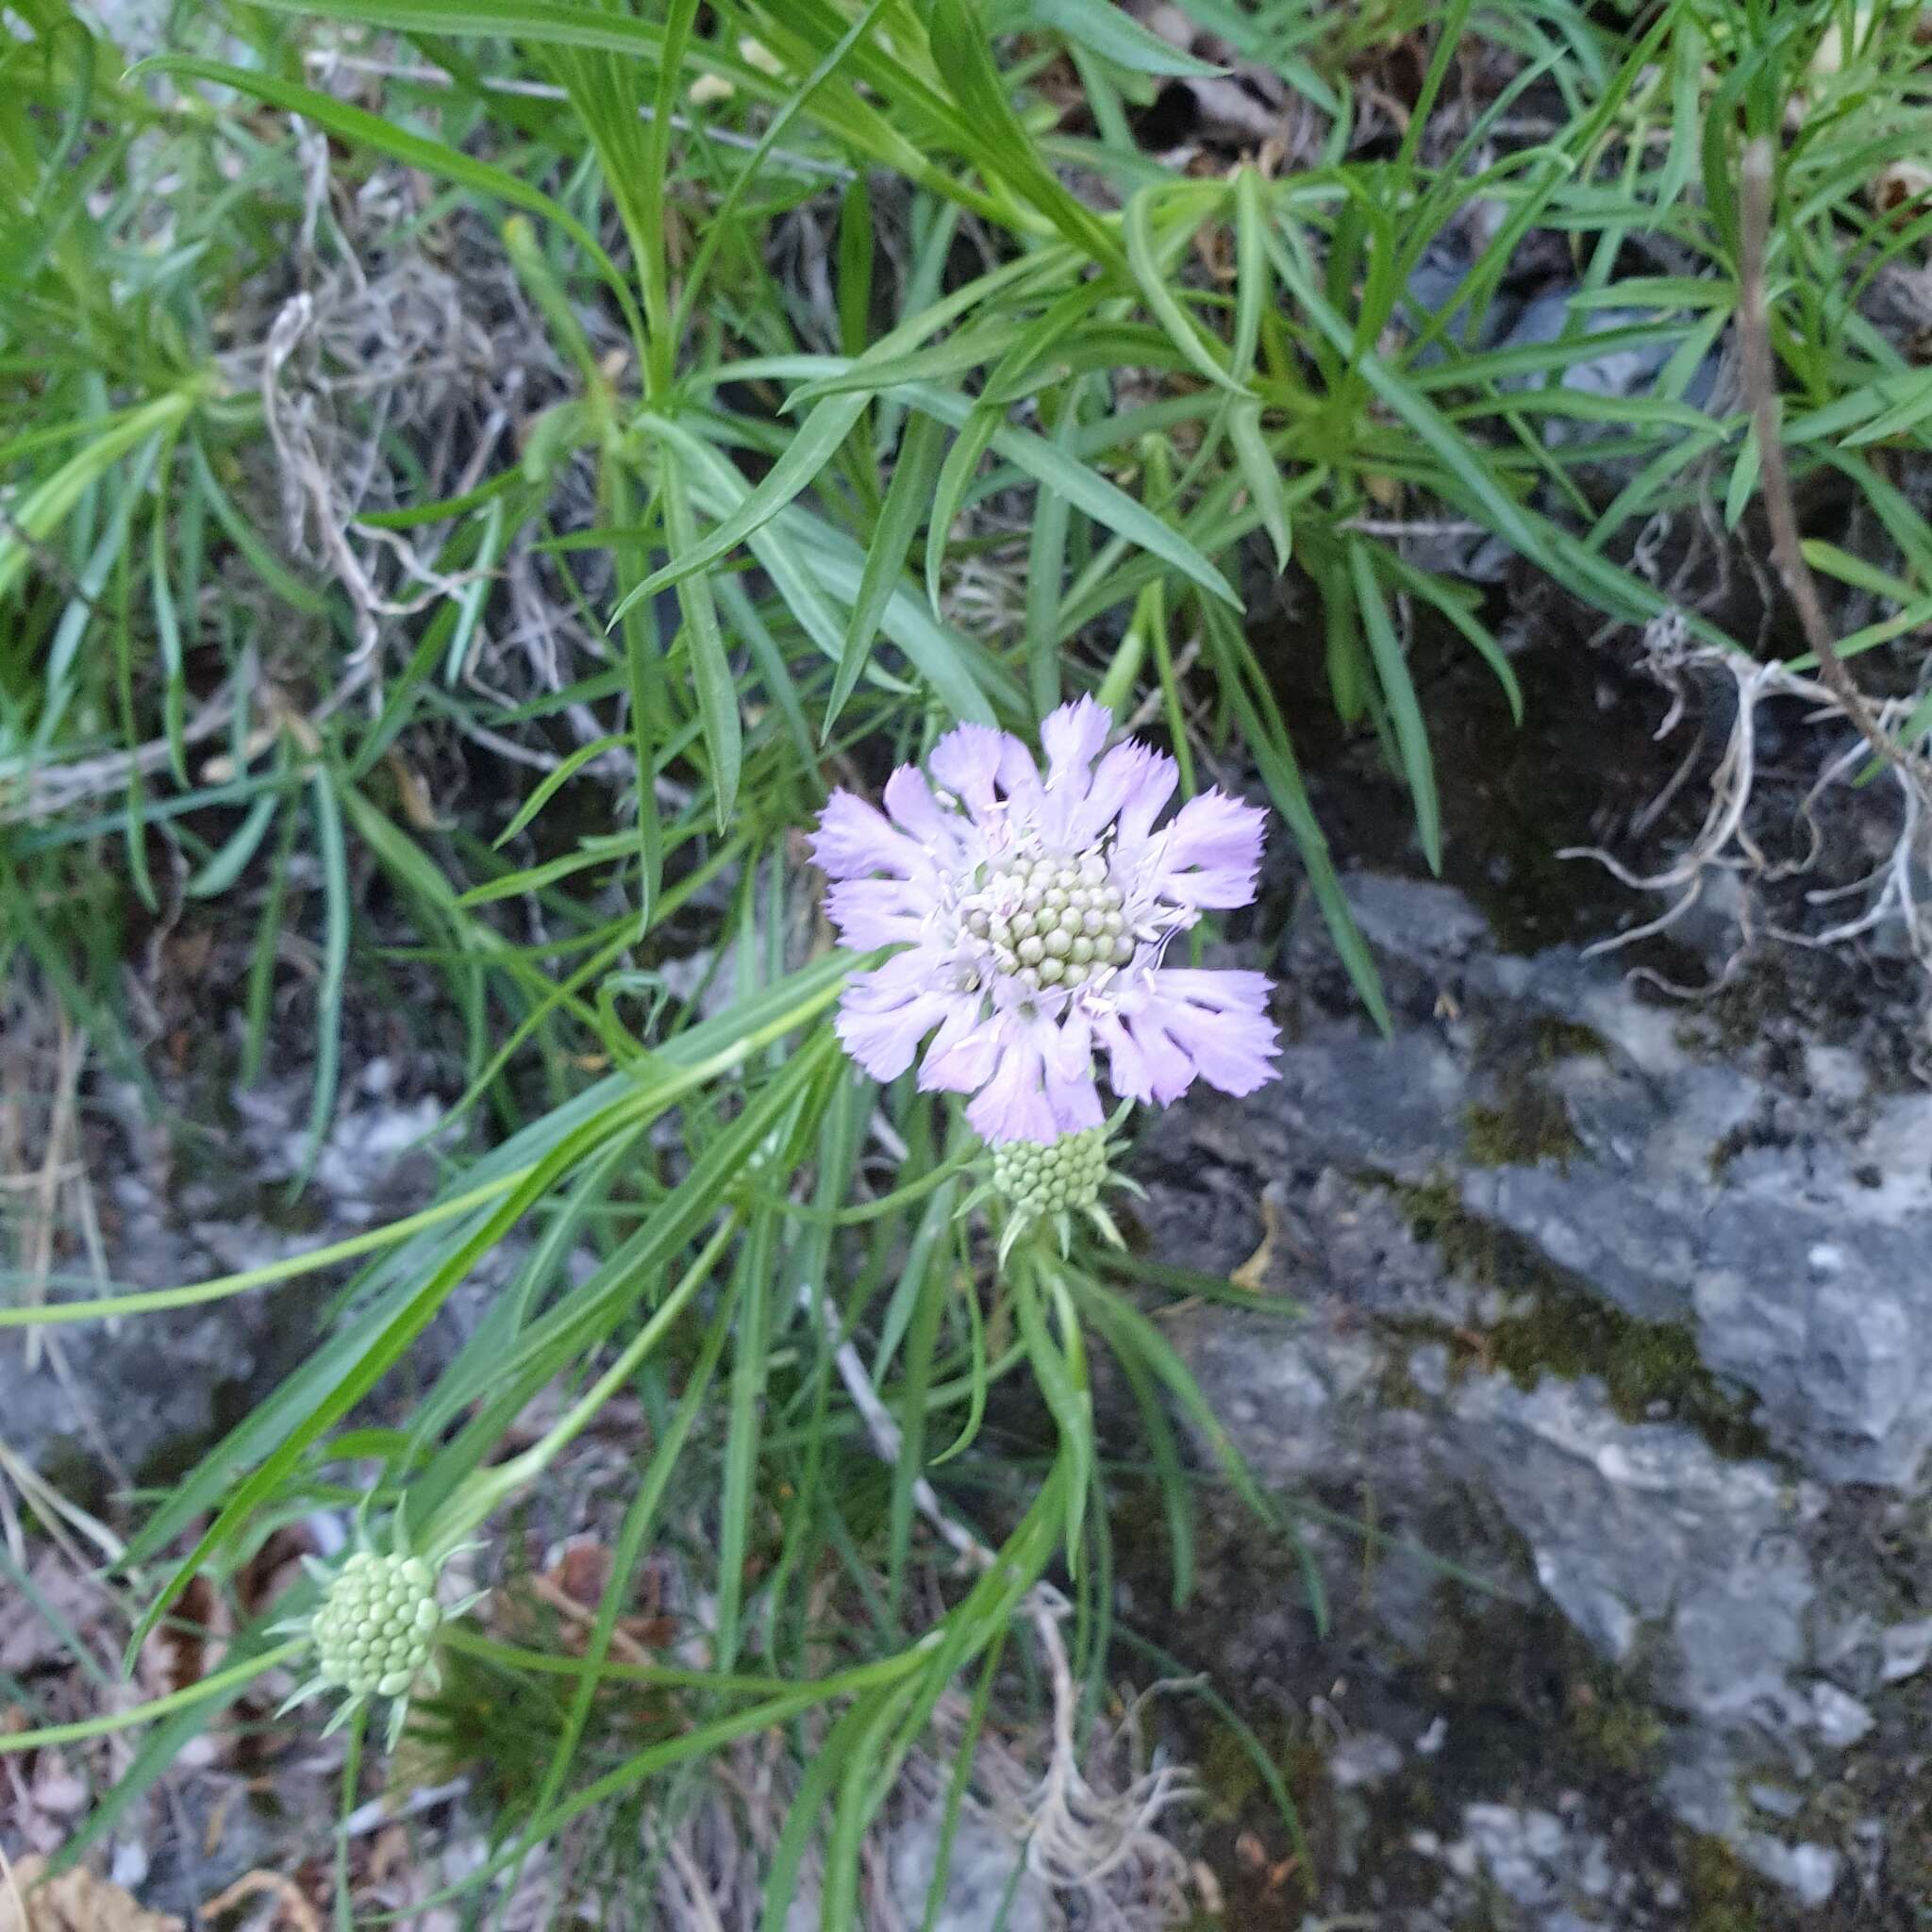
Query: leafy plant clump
x=488, y=492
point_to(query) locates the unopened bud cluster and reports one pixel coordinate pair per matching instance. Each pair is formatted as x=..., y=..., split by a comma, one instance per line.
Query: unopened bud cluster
x=1042, y=1178
x=1050, y=922
x=376, y=1627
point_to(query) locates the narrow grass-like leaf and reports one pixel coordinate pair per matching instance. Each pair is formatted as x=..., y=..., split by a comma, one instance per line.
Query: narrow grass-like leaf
x=961, y=53
x=807, y=453
x=1046, y=561
x=1261, y=472
x=717, y=691
x=1268, y=743
x=1105, y=502
x=1103, y=28
x=1154, y=277
x=1405, y=709
x=955, y=476
x=909, y=499
x=337, y=915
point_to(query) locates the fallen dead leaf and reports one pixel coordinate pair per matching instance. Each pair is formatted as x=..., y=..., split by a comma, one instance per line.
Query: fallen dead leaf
x=582, y=1570
x=29, y=1636
x=1253, y=1272
x=1900, y=187
x=390, y=1854
x=218, y=1821
x=413, y=791
x=189, y=1644
x=75, y=1901
x=295, y=1909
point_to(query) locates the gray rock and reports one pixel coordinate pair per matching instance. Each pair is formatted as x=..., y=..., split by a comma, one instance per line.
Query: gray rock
x=1792, y=1229
x=1520, y=1850
x=1367, y=1759
x=978, y=1880
x=154, y=1389
x=1632, y=1322
x=1642, y=1530
x=1840, y=1717
x=1904, y=1649
x=1703, y=1787
x=1810, y=1872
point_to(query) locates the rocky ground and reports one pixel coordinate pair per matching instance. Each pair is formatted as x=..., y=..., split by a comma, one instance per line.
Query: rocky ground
x=1608, y=1406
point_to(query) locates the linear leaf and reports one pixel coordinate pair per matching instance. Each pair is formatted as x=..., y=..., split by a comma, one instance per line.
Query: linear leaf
x=710, y=667
x=1398, y=690
x=909, y=497
x=807, y=453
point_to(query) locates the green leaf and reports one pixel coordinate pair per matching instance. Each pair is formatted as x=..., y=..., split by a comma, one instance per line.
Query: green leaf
x=41, y=509
x=855, y=268
x=337, y=916
x=960, y=52
x=1273, y=753
x=1906, y=413
x=804, y=559
x=717, y=691
x=1105, y=502
x=1262, y=475
x=1251, y=275
x=1454, y=605
x=1154, y=276
x=1115, y=34
x=1398, y=690
x=561, y=22
x=807, y=453
x=956, y=477
x=909, y=497
x=420, y=1275
x=1046, y=563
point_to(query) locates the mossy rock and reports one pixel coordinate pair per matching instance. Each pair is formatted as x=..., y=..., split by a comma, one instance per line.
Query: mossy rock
x=1559, y=1327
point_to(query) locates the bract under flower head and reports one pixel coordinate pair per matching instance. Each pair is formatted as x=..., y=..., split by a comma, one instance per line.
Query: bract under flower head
x=1035, y=911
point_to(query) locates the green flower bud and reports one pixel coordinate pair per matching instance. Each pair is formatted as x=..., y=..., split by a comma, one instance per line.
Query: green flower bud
x=376, y=1625
x=1040, y=1177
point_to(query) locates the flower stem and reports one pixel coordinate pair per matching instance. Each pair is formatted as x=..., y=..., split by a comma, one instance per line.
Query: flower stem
x=471, y=1505
x=232, y=1678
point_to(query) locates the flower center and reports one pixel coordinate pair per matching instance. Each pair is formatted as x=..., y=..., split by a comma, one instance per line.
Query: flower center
x=1048, y=922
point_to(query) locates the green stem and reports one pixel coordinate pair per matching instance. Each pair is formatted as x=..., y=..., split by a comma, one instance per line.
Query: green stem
x=872, y=1210
x=352, y=1780
x=470, y=1507
x=225, y=1285
x=162, y=1707
x=543, y=1663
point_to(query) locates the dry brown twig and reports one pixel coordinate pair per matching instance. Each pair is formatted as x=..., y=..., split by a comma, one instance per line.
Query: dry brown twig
x=1775, y=483
x=1723, y=842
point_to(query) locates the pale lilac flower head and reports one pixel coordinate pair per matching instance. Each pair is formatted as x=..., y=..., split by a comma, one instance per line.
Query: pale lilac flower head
x=1034, y=911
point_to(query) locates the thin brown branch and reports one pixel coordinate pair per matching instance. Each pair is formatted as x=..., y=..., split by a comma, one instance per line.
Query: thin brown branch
x=1774, y=482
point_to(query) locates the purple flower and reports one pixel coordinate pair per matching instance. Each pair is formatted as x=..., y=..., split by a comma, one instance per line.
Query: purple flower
x=1035, y=911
